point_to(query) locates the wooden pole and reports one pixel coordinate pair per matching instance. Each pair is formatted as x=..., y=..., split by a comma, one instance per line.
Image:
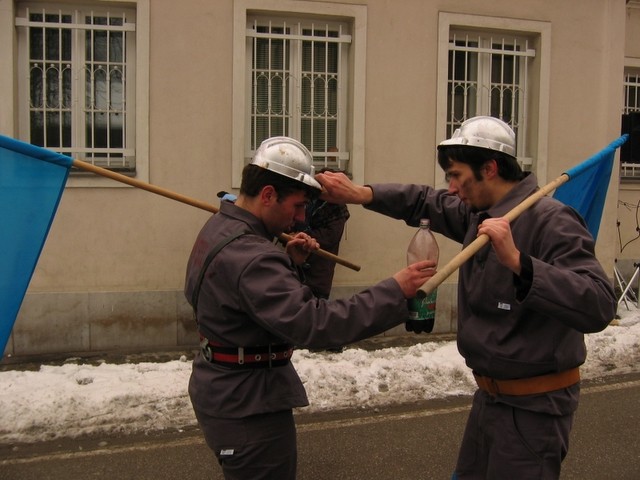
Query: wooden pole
x=470, y=250
x=190, y=201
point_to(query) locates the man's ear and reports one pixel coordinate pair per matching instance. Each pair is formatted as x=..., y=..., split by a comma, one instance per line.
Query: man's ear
x=491, y=168
x=268, y=195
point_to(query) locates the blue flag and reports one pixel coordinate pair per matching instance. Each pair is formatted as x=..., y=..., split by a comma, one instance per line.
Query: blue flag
x=586, y=189
x=31, y=183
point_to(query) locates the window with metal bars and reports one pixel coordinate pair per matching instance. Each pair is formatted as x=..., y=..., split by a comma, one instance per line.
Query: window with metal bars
x=630, y=151
x=488, y=75
x=297, y=77
x=79, y=69
x=632, y=90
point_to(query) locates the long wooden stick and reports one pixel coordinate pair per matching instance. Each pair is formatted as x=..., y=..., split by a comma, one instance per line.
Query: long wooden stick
x=190, y=201
x=470, y=250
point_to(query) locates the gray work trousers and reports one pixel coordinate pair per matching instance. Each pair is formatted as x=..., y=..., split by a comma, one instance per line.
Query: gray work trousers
x=259, y=447
x=501, y=441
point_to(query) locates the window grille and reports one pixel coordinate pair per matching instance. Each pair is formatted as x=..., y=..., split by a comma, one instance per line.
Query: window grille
x=488, y=75
x=632, y=90
x=298, y=87
x=80, y=85
x=630, y=169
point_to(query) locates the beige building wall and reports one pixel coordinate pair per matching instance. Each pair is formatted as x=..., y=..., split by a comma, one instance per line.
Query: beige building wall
x=112, y=270
x=627, y=246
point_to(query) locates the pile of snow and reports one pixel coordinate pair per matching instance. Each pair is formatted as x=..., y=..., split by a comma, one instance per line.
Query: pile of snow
x=75, y=399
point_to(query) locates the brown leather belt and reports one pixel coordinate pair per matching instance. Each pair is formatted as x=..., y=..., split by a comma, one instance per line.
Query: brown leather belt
x=246, y=357
x=529, y=386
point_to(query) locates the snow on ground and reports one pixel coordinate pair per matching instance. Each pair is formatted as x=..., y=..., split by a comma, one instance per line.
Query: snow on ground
x=75, y=398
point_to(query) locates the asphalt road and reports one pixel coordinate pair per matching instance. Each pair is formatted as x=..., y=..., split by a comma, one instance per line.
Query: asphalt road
x=404, y=442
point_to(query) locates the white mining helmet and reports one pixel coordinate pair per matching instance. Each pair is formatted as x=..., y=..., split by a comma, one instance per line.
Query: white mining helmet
x=287, y=157
x=484, y=132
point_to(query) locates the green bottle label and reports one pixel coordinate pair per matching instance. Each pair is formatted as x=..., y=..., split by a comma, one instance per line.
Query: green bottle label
x=423, y=309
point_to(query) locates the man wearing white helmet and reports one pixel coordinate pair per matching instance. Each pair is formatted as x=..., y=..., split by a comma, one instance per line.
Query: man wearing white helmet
x=251, y=307
x=524, y=302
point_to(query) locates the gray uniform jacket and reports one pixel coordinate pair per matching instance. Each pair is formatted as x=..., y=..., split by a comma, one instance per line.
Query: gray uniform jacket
x=500, y=335
x=252, y=295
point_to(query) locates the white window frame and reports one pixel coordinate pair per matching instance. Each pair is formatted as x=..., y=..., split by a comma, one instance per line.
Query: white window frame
x=533, y=137
x=137, y=110
x=352, y=114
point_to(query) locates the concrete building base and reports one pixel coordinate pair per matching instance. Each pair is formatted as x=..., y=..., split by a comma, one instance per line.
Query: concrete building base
x=84, y=322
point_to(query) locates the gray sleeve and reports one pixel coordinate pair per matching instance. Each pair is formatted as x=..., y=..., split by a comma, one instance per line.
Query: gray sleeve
x=276, y=299
x=410, y=203
x=568, y=282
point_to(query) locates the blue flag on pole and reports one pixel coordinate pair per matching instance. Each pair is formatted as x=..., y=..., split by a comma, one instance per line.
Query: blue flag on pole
x=31, y=183
x=586, y=189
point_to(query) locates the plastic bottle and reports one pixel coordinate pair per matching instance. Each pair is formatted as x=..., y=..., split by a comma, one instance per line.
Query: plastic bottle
x=422, y=312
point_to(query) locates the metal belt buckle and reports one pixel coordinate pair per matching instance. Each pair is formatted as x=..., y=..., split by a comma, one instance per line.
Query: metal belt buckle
x=240, y=355
x=206, y=349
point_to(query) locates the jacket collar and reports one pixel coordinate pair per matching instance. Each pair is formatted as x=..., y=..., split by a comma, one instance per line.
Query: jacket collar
x=523, y=189
x=254, y=224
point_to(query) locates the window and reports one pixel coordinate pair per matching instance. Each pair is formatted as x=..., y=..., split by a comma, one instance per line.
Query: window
x=631, y=90
x=301, y=76
x=630, y=151
x=297, y=76
x=498, y=67
x=488, y=75
x=78, y=93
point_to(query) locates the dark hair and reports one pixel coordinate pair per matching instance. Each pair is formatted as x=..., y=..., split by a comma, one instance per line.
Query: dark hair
x=508, y=167
x=255, y=178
